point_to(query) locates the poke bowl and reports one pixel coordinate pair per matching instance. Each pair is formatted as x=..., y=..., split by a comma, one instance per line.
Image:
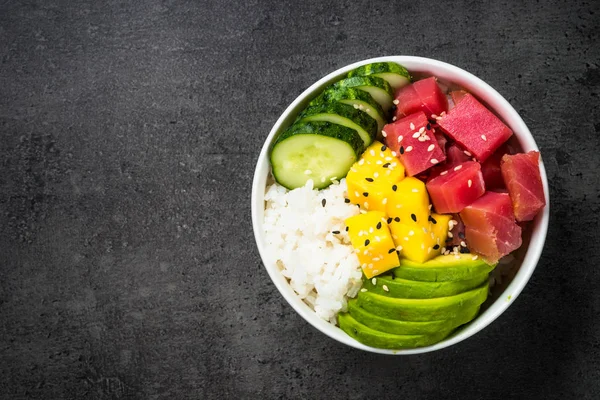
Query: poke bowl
x=400, y=205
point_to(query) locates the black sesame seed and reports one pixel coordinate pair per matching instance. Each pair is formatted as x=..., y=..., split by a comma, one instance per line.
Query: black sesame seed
x=369, y=179
x=461, y=235
x=347, y=229
x=367, y=242
x=413, y=217
x=464, y=250
x=383, y=148
x=437, y=246
x=432, y=220
x=432, y=121
x=390, y=251
x=397, y=219
x=346, y=201
x=323, y=202
x=394, y=188
x=401, y=149
x=366, y=194
x=389, y=221
x=379, y=225
x=393, y=109
x=387, y=164
x=428, y=127
x=398, y=252
x=336, y=232
x=448, y=240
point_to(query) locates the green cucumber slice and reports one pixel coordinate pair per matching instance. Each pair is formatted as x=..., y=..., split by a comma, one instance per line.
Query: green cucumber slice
x=398, y=327
x=395, y=74
x=422, y=309
x=320, y=151
x=383, y=340
x=409, y=289
x=354, y=97
x=345, y=115
x=378, y=88
x=443, y=268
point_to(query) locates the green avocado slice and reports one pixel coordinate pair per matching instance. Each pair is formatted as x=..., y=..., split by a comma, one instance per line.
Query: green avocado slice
x=443, y=268
x=383, y=340
x=408, y=289
x=422, y=309
x=409, y=327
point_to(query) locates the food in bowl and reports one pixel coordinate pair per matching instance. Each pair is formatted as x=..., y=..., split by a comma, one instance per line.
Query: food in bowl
x=392, y=202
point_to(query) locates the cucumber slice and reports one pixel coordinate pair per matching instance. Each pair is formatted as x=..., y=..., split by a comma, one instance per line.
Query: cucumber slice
x=378, y=88
x=316, y=150
x=342, y=114
x=395, y=74
x=354, y=97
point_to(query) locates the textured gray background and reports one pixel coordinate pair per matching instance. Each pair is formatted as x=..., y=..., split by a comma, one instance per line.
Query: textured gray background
x=128, y=268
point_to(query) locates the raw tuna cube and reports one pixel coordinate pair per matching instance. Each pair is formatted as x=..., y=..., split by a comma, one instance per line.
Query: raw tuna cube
x=491, y=169
x=475, y=127
x=521, y=173
x=456, y=188
x=414, y=144
x=457, y=96
x=442, y=140
x=424, y=95
x=490, y=226
x=454, y=156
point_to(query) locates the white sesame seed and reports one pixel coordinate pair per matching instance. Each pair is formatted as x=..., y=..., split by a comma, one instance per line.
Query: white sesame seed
x=384, y=287
x=421, y=139
x=424, y=230
x=374, y=281
x=422, y=246
x=415, y=190
x=361, y=107
x=483, y=138
x=396, y=102
x=393, y=165
x=371, y=230
x=450, y=235
x=463, y=244
x=434, y=116
x=384, y=201
x=368, y=110
x=394, y=153
x=366, y=204
x=467, y=153
x=454, y=222
x=393, y=119
x=363, y=212
x=333, y=178
x=474, y=258
x=376, y=175
x=443, y=172
x=355, y=106
x=409, y=148
x=431, y=147
x=457, y=167
x=388, y=158
x=366, y=252
x=376, y=259
x=378, y=162
x=469, y=182
x=416, y=135
x=422, y=129
x=361, y=161
x=412, y=126
x=381, y=154
x=434, y=161
x=372, y=152
x=375, y=271
x=405, y=238
x=429, y=250
x=307, y=172
x=410, y=233
x=363, y=290
x=360, y=233
x=353, y=169
x=356, y=194
x=399, y=248
x=383, y=133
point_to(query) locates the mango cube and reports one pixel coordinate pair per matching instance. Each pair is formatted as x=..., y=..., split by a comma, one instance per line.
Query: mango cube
x=371, y=237
x=423, y=241
x=371, y=178
x=409, y=202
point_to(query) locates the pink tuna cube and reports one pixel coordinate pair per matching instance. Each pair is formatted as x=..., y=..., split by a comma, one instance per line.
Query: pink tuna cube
x=521, y=173
x=475, y=127
x=457, y=187
x=424, y=95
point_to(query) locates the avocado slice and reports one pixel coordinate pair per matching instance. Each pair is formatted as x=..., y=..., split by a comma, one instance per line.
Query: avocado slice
x=422, y=309
x=383, y=340
x=443, y=268
x=388, y=285
x=398, y=327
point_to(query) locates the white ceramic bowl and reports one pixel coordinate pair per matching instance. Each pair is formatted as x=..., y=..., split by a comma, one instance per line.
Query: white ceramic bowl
x=533, y=240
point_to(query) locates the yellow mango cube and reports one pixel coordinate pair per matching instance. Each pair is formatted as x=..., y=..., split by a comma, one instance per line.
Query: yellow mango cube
x=409, y=202
x=371, y=178
x=421, y=242
x=371, y=237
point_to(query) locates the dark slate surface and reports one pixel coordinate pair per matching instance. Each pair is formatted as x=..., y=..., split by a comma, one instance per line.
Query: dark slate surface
x=130, y=130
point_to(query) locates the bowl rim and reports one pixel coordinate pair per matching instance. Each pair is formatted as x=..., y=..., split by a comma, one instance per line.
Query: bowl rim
x=498, y=104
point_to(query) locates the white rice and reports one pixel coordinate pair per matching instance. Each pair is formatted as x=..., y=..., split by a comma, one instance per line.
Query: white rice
x=320, y=266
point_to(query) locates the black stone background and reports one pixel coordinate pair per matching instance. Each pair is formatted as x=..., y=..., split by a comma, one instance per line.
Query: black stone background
x=130, y=131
